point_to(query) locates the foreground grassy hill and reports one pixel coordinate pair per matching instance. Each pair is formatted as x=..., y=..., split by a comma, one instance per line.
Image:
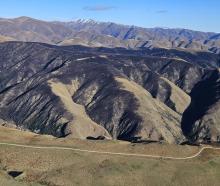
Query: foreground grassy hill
x=64, y=167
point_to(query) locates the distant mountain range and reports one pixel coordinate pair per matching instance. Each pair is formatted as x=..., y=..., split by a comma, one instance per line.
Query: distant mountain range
x=105, y=34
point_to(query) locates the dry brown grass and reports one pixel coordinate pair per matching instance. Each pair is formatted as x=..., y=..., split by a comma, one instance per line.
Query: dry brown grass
x=153, y=113
x=178, y=96
x=28, y=138
x=5, y=38
x=82, y=125
x=68, y=168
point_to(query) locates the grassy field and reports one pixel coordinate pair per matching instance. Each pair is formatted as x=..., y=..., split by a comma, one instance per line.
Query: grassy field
x=68, y=168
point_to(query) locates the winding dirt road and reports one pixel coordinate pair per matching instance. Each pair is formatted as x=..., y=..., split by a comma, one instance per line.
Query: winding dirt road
x=110, y=153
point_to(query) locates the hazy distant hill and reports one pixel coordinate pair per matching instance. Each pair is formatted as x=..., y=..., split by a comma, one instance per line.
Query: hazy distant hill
x=106, y=34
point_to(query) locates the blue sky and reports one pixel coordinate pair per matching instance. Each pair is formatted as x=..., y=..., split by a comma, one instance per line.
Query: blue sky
x=193, y=14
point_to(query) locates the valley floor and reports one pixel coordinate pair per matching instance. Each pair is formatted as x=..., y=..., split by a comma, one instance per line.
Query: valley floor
x=69, y=168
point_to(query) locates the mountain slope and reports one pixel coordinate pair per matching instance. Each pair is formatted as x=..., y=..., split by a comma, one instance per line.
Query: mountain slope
x=159, y=122
x=78, y=92
x=53, y=91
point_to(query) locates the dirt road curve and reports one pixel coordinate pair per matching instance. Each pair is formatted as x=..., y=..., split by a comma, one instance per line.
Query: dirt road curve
x=110, y=153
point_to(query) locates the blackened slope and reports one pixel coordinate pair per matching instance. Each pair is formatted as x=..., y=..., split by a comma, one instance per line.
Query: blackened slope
x=203, y=59
x=201, y=119
x=28, y=99
x=89, y=78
